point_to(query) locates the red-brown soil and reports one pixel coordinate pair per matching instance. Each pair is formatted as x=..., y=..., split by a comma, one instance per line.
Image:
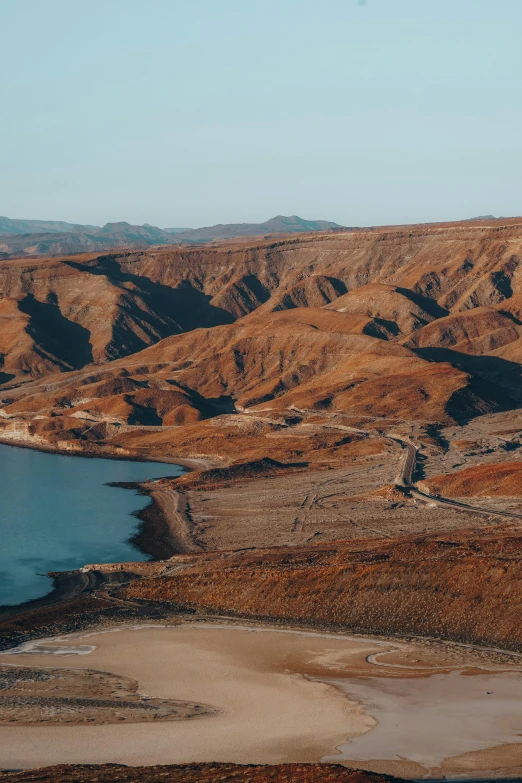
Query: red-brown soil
x=196, y=773
x=479, y=331
x=400, y=279
x=304, y=358
x=446, y=587
x=310, y=322
x=501, y=480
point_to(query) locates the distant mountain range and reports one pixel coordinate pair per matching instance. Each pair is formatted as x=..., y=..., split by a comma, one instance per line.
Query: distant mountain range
x=10, y=226
x=81, y=239
x=276, y=225
x=48, y=237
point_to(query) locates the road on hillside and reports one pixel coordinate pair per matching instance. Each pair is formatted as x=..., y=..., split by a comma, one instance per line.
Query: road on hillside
x=406, y=480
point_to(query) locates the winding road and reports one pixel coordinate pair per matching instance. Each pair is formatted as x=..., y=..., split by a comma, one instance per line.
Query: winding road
x=405, y=481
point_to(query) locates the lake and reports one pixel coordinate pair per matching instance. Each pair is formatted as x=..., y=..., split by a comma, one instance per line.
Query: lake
x=57, y=514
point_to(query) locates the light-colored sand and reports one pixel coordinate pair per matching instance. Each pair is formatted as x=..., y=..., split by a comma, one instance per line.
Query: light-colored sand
x=430, y=720
x=285, y=696
x=269, y=713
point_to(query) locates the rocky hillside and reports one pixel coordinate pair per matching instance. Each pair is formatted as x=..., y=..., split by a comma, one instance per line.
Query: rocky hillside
x=502, y=480
x=276, y=225
x=291, y=373
x=420, y=323
x=80, y=239
x=16, y=226
x=462, y=586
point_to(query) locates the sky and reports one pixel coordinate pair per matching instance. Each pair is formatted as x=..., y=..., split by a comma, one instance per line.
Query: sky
x=196, y=112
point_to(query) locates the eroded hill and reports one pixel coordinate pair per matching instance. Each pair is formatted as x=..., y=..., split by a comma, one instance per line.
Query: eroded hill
x=449, y=294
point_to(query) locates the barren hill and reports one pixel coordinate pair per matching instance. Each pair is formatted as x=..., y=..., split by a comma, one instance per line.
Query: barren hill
x=454, y=289
x=81, y=239
x=276, y=225
x=17, y=226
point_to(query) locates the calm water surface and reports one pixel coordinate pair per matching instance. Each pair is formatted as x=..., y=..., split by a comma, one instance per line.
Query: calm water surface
x=57, y=514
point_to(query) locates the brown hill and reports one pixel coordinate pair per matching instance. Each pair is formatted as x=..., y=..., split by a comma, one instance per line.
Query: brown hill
x=482, y=330
x=399, y=310
x=423, y=586
x=492, y=480
x=296, y=357
x=305, y=358
x=309, y=322
x=219, y=284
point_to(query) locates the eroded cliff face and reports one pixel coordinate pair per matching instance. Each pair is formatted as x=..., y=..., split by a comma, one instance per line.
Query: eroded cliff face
x=400, y=279
x=419, y=323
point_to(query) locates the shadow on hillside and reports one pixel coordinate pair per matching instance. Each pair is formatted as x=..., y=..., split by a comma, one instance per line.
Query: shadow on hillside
x=433, y=431
x=220, y=405
x=504, y=374
x=209, y=406
x=424, y=302
x=382, y=329
x=56, y=337
x=185, y=305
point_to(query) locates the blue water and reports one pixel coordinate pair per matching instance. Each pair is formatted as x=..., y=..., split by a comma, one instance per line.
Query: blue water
x=57, y=514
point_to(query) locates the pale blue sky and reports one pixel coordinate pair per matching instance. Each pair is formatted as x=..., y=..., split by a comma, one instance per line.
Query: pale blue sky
x=193, y=112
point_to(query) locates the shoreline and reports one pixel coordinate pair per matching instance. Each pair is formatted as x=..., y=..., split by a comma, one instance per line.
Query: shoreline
x=191, y=463
x=168, y=616
x=163, y=531
x=245, y=675
x=165, y=528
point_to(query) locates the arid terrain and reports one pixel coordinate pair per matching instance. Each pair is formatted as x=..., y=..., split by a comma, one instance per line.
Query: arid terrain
x=197, y=773
x=349, y=404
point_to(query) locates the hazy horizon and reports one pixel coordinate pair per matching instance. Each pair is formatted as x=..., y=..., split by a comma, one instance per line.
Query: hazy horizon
x=186, y=114
x=256, y=222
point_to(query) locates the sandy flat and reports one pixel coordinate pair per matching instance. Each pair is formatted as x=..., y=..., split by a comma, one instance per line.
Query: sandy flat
x=269, y=712
x=431, y=720
x=284, y=696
